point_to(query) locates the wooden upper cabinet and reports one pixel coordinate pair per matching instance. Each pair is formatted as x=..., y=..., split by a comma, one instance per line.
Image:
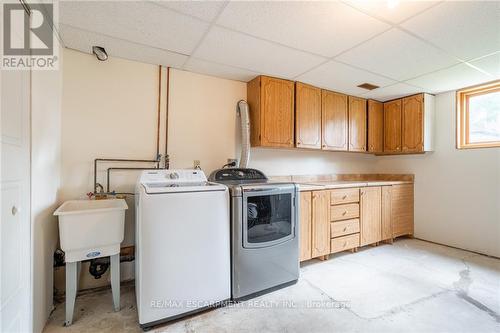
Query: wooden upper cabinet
x=307, y=116
x=413, y=124
x=334, y=121
x=392, y=126
x=357, y=124
x=271, y=103
x=375, y=126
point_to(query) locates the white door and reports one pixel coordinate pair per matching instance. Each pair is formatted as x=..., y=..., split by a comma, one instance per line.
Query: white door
x=15, y=240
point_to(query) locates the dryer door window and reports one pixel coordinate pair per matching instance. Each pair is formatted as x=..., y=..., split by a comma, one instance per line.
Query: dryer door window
x=268, y=219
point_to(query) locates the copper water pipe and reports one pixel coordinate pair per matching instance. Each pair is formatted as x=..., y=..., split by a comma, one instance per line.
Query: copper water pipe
x=158, y=116
x=167, y=158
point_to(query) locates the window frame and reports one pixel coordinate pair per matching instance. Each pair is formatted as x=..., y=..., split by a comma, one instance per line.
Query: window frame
x=462, y=100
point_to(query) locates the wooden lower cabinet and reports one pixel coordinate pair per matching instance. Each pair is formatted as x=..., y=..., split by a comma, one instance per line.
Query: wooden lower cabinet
x=314, y=224
x=343, y=219
x=344, y=243
x=305, y=216
x=344, y=196
x=320, y=223
x=370, y=215
x=402, y=210
x=342, y=228
x=344, y=214
x=386, y=213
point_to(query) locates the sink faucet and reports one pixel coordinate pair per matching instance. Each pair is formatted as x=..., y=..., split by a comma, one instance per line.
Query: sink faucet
x=99, y=192
x=99, y=189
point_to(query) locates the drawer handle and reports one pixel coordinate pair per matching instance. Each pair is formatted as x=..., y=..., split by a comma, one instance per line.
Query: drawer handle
x=345, y=212
x=344, y=197
x=345, y=229
x=345, y=244
x=14, y=210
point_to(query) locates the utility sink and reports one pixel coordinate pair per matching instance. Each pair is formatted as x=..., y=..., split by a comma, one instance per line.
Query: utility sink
x=91, y=228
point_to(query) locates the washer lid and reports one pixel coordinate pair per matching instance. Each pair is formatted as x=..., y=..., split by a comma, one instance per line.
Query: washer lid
x=152, y=188
x=179, y=180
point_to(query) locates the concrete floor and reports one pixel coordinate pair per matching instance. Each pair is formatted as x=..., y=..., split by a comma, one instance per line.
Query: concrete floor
x=410, y=286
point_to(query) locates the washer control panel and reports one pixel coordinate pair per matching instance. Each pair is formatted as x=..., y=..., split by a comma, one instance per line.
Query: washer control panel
x=177, y=176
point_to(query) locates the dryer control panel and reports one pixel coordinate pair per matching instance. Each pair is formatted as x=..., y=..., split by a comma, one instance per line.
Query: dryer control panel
x=237, y=174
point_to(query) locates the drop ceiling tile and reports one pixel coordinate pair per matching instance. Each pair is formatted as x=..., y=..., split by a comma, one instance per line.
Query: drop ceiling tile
x=321, y=27
x=397, y=55
x=342, y=78
x=455, y=77
x=227, y=72
x=238, y=50
x=489, y=64
x=392, y=92
x=467, y=29
x=205, y=10
x=393, y=11
x=82, y=40
x=140, y=22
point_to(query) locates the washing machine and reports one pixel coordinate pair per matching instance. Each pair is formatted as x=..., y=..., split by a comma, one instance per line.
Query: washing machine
x=182, y=256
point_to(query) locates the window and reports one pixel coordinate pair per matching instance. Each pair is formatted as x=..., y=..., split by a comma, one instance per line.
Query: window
x=478, y=116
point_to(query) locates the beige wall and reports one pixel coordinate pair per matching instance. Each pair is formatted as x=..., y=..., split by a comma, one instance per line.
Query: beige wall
x=46, y=91
x=110, y=110
x=457, y=192
x=202, y=119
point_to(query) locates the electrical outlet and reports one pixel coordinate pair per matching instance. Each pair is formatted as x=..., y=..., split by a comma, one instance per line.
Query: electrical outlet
x=232, y=160
x=196, y=164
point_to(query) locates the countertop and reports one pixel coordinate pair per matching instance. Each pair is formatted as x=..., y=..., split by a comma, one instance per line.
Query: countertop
x=327, y=185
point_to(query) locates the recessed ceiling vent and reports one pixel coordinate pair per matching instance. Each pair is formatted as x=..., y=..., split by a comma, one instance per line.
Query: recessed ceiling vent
x=368, y=86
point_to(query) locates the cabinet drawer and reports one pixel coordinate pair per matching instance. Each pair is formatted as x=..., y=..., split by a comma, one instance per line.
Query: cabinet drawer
x=344, y=243
x=344, y=195
x=344, y=212
x=341, y=228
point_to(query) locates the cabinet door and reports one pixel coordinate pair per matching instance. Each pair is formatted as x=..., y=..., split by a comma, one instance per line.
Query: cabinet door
x=277, y=112
x=357, y=124
x=305, y=225
x=375, y=126
x=307, y=116
x=320, y=223
x=402, y=209
x=386, y=213
x=334, y=121
x=392, y=126
x=371, y=215
x=413, y=124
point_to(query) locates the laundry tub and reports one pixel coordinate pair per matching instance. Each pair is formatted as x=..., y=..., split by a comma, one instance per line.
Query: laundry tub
x=90, y=229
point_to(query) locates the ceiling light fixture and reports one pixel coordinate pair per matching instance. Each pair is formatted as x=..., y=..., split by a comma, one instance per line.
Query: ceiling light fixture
x=391, y=4
x=100, y=53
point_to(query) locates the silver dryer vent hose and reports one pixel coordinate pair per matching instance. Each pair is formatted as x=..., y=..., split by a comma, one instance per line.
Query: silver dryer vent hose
x=245, y=133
